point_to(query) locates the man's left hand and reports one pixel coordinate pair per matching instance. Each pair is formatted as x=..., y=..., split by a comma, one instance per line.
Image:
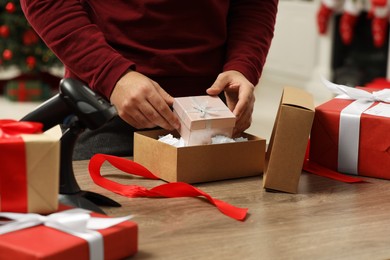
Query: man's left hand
x=240, y=97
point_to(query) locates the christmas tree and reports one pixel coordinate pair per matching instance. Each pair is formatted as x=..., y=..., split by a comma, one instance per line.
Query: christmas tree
x=20, y=45
x=23, y=51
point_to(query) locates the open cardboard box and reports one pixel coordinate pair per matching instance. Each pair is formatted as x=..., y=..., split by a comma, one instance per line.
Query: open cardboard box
x=288, y=143
x=201, y=163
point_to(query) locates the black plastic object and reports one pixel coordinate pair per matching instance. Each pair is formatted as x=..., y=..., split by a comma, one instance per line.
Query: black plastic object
x=76, y=108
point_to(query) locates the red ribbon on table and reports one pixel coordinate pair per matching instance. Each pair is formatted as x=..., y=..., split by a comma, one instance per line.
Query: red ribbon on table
x=168, y=190
x=13, y=164
x=317, y=169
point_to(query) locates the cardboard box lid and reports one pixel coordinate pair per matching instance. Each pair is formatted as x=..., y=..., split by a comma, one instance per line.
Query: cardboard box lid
x=287, y=147
x=199, y=112
x=297, y=97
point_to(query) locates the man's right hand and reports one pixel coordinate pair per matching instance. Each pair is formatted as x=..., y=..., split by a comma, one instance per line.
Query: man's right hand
x=142, y=103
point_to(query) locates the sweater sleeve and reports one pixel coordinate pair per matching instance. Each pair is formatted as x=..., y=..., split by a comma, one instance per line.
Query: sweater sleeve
x=66, y=29
x=250, y=32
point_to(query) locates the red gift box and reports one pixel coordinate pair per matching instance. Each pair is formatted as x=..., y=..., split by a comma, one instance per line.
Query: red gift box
x=42, y=242
x=27, y=90
x=378, y=83
x=373, y=140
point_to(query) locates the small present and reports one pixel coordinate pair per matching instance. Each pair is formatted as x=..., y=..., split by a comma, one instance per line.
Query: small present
x=29, y=167
x=203, y=117
x=67, y=234
x=350, y=132
x=27, y=90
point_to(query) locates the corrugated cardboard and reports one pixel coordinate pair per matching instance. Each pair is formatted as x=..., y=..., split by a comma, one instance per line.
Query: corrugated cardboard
x=203, y=163
x=203, y=117
x=289, y=138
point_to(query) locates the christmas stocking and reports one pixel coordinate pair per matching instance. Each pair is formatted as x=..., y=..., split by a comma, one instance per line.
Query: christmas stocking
x=327, y=8
x=348, y=20
x=379, y=11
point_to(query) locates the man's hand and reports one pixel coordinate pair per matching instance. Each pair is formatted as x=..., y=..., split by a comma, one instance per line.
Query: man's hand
x=142, y=103
x=240, y=97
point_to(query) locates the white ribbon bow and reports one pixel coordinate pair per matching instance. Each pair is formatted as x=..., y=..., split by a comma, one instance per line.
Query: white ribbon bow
x=346, y=92
x=77, y=222
x=349, y=128
x=203, y=108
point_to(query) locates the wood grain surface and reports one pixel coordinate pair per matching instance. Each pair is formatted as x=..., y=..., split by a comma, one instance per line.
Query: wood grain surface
x=327, y=219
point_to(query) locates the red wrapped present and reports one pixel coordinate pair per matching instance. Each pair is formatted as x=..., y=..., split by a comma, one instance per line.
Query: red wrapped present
x=378, y=83
x=29, y=167
x=350, y=133
x=27, y=90
x=203, y=117
x=68, y=234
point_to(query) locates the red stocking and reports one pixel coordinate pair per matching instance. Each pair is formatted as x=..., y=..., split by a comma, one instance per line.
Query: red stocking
x=323, y=16
x=348, y=20
x=379, y=22
x=347, y=27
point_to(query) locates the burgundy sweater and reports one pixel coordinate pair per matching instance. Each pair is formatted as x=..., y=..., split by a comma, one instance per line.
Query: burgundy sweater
x=183, y=45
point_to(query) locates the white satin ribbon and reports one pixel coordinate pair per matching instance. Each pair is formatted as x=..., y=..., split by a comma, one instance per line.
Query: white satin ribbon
x=349, y=128
x=349, y=132
x=346, y=92
x=202, y=108
x=77, y=222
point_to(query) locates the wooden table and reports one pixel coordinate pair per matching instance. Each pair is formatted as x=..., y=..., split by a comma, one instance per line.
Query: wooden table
x=327, y=219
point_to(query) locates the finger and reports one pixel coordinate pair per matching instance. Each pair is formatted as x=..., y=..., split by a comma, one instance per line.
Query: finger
x=218, y=86
x=243, y=112
x=155, y=118
x=130, y=110
x=147, y=117
x=137, y=119
x=243, y=123
x=167, y=98
x=161, y=113
x=245, y=99
x=231, y=99
x=142, y=114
